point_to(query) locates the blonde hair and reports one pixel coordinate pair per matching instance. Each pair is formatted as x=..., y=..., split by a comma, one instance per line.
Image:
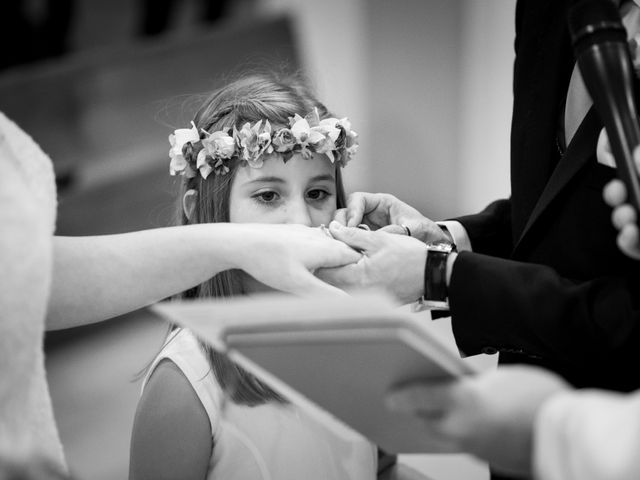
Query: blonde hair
x=249, y=99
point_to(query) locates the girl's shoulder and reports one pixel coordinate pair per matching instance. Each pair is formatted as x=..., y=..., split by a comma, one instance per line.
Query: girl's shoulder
x=169, y=416
x=183, y=350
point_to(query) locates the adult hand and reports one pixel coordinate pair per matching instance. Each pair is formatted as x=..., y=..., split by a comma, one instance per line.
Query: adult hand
x=285, y=257
x=386, y=212
x=392, y=262
x=623, y=215
x=490, y=415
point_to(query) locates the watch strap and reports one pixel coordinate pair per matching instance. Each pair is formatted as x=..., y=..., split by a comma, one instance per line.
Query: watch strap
x=435, y=276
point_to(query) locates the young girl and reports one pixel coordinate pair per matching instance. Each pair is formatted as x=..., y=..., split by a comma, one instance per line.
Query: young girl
x=50, y=282
x=264, y=151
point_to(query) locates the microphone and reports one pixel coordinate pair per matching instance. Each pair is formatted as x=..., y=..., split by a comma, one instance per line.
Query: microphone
x=600, y=46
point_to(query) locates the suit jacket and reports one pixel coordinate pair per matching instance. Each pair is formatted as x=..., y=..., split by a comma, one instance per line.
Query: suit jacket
x=546, y=283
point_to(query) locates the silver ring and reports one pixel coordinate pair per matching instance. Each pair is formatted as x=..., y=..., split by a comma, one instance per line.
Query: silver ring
x=363, y=226
x=406, y=230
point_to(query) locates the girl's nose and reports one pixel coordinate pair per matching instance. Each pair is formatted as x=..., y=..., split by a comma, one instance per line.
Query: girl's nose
x=298, y=213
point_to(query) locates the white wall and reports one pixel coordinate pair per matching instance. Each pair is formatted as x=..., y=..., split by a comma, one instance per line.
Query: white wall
x=485, y=115
x=334, y=48
x=414, y=100
x=427, y=84
x=440, y=76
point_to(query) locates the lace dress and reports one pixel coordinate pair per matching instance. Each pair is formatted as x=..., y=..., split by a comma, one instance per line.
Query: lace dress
x=27, y=222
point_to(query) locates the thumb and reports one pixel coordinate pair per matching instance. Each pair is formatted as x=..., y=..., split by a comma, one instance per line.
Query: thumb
x=355, y=209
x=628, y=241
x=354, y=237
x=341, y=216
x=426, y=399
x=308, y=285
x=396, y=229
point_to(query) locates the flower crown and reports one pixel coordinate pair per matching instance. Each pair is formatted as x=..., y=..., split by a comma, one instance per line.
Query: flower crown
x=193, y=151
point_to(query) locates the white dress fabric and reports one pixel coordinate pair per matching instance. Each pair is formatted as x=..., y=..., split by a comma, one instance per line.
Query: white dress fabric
x=27, y=223
x=270, y=441
x=588, y=435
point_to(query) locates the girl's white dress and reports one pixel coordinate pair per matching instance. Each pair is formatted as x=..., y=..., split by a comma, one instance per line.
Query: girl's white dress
x=270, y=441
x=27, y=223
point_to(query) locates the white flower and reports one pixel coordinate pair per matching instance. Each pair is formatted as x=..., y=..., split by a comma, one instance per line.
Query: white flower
x=305, y=136
x=219, y=145
x=329, y=127
x=202, y=165
x=178, y=139
x=254, y=141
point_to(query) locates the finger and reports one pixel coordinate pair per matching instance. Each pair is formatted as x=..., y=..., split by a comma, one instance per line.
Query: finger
x=354, y=237
x=614, y=193
x=623, y=215
x=424, y=399
x=341, y=216
x=395, y=229
x=307, y=285
x=350, y=257
x=355, y=208
x=340, y=276
x=629, y=241
x=346, y=256
x=330, y=252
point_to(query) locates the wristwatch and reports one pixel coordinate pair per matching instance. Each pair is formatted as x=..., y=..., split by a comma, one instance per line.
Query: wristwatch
x=435, y=276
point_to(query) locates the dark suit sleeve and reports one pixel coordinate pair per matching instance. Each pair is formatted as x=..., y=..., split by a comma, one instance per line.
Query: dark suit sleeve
x=529, y=309
x=490, y=230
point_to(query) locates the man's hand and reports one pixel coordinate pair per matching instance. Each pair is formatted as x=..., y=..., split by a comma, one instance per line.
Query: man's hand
x=392, y=262
x=490, y=415
x=386, y=212
x=623, y=215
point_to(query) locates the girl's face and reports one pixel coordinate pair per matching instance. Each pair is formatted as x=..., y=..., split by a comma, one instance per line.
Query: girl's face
x=300, y=191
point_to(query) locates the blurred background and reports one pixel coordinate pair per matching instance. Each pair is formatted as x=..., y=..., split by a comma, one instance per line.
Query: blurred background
x=101, y=83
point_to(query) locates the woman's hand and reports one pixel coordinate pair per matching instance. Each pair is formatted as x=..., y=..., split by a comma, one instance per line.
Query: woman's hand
x=386, y=212
x=98, y=277
x=285, y=257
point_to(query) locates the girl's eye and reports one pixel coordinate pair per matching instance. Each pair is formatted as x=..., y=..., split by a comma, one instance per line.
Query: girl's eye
x=266, y=197
x=317, y=194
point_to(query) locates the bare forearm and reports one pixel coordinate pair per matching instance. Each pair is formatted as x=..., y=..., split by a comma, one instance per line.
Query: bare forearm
x=95, y=278
x=99, y=277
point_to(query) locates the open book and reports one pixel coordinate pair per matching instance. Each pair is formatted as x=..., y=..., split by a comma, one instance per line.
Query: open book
x=341, y=354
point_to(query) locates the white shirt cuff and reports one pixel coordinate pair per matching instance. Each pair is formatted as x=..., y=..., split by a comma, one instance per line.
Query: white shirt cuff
x=459, y=234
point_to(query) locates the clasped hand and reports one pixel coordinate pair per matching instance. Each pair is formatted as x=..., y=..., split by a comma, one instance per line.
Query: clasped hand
x=390, y=261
